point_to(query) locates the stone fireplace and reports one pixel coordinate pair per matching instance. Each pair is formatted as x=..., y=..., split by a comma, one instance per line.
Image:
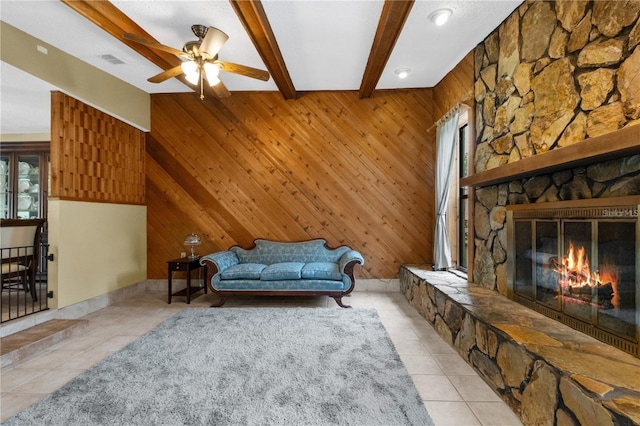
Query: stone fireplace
x=578, y=262
x=557, y=120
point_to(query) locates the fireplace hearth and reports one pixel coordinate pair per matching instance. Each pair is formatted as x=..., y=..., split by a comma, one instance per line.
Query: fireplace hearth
x=578, y=262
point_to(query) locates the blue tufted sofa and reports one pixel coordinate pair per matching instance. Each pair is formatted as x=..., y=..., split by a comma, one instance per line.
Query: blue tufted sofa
x=283, y=268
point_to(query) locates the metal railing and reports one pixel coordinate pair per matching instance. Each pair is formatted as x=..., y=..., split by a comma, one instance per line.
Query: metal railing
x=24, y=290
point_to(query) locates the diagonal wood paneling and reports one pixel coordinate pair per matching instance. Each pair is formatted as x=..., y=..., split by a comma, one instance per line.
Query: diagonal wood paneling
x=356, y=172
x=456, y=87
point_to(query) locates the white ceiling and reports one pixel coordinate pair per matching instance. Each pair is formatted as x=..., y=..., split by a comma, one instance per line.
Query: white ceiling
x=325, y=45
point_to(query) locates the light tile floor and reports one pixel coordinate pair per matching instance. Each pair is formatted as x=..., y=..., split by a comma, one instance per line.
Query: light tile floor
x=452, y=392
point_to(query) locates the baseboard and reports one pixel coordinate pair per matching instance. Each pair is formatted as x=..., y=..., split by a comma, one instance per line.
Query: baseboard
x=376, y=285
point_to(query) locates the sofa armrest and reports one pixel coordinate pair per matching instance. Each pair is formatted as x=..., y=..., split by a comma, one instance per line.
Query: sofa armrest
x=349, y=260
x=222, y=260
x=346, y=264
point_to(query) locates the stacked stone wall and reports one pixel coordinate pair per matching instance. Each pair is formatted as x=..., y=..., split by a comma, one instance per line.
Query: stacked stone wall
x=537, y=390
x=551, y=75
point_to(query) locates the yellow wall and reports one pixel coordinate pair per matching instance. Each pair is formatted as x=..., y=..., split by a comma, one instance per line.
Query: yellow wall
x=25, y=137
x=75, y=77
x=98, y=248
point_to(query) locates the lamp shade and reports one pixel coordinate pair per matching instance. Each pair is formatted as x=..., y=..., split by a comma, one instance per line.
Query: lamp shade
x=192, y=240
x=191, y=71
x=211, y=71
x=193, y=77
x=189, y=67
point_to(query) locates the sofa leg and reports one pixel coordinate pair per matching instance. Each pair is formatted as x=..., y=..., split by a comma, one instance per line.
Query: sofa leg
x=338, y=300
x=220, y=302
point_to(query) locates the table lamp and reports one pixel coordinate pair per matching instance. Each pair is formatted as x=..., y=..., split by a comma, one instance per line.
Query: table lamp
x=192, y=240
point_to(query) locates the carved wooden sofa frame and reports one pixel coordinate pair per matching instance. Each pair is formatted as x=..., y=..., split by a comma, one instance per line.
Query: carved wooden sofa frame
x=342, y=273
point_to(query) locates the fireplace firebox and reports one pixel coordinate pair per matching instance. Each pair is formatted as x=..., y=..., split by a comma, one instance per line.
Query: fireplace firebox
x=579, y=262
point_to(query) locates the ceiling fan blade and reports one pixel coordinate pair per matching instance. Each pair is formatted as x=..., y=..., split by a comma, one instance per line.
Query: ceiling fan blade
x=153, y=44
x=221, y=90
x=243, y=70
x=213, y=41
x=165, y=75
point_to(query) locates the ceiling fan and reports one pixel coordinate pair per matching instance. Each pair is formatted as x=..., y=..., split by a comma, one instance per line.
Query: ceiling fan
x=201, y=60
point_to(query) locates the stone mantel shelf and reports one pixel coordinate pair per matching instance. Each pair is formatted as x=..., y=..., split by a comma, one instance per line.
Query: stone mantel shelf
x=606, y=147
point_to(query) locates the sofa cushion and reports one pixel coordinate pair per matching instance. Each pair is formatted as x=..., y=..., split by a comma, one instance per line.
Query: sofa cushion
x=321, y=271
x=282, y=271
x=281, y=285
x=243, y=271
x=270, y=252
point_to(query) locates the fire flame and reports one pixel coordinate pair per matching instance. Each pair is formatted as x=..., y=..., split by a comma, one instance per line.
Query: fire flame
x=576, y=275
x=576, y=262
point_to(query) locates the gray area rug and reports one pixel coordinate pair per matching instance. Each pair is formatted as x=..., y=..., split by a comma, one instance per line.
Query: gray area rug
x=244, y=366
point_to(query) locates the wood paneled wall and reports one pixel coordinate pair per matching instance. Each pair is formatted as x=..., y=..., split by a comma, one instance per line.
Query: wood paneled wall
x=326, y=165
x=455, y=88
x=94, y=156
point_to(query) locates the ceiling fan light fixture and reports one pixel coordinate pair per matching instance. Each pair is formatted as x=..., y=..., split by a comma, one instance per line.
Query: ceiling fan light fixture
x=440, y=16
x=211, y=72
x=191, y=71
x=200, y=61
x=189, y=67
x=213, y=81
x=193, y=77
x=402, y=72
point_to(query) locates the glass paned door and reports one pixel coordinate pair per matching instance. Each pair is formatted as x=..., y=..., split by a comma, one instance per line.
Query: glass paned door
x=29, y=201
x=576, y=263
x=524, y=256
x=463, y=199
x=4, y=187
x=546, y=276
x=617, y=298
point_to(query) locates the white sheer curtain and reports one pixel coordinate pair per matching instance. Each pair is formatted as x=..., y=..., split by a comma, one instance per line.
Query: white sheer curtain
x=447, y=141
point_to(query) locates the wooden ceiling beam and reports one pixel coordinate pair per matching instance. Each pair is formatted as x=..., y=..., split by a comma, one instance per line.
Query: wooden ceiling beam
x=111, y=19
x=255, y=22
x=392, y=19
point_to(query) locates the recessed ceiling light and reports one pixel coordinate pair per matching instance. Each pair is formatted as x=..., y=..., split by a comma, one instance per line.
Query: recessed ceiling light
x=440, y=16
x=402, y=72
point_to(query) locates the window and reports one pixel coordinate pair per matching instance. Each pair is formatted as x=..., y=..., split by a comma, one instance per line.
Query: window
x=463, y=197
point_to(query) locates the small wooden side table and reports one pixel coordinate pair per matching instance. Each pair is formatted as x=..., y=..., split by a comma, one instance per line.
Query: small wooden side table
x=186, y=264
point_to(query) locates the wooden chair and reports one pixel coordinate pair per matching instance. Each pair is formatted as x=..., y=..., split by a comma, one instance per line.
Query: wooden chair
x=20, y=253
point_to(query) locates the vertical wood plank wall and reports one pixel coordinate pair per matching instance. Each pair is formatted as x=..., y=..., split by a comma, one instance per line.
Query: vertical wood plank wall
x=94, y=156
x=329, y=165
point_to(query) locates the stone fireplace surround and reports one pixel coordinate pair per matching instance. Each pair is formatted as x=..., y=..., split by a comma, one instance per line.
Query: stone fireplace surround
x=547, y=372
x=557, y=117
